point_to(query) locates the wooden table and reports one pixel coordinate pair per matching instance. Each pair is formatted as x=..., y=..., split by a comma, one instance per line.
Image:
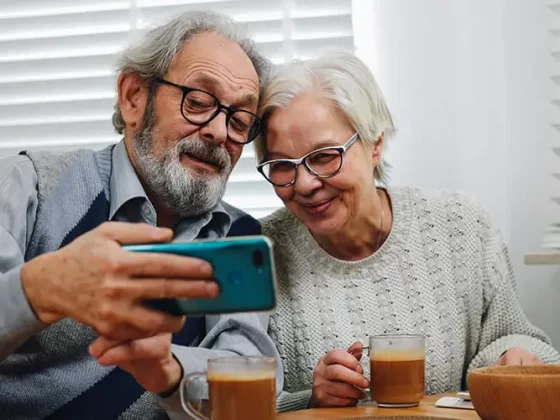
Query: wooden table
x=426, y=409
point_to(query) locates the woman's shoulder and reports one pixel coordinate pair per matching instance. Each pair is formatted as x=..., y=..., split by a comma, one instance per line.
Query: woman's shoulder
x=275, y=218
x=445, y=203
x=438, y=198
x=279, y=222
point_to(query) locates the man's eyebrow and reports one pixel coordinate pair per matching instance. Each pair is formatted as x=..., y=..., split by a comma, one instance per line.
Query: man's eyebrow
x=209, y=83
x=248, y=99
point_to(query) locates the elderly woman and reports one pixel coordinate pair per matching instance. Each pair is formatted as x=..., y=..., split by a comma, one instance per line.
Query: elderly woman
x=355, y=259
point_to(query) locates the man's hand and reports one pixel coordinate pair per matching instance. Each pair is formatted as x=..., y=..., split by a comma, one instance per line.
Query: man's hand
x=338, y=379
x=518, y=356
x=149, y=360
x=94, y=281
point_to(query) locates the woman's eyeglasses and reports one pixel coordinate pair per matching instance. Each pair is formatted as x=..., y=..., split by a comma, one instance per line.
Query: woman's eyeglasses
x=323, y=163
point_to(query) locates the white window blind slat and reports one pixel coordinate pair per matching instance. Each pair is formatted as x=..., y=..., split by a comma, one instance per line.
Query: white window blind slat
x=57, y=81
x=63, y=131
x=56, y=69
x=198, y=4
x=555, y=33
x=57, y=90
x=26, y=8
x=37, y=27
x=18, y=114
x=41, y=143
x=552, y=236
x=240, y=10
x=63, y=46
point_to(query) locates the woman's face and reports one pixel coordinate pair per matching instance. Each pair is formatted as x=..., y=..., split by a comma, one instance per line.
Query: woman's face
x=324, y=205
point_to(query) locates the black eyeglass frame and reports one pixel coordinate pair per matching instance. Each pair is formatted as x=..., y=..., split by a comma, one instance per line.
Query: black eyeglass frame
x=254, y=131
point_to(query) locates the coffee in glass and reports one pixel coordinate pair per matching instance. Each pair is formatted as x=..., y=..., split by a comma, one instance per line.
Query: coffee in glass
x=397, y=368
x=239, y=388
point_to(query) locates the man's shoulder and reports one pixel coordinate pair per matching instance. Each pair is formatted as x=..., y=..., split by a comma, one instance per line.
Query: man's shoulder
x=242, y=223
x=17, y=169
x=53, y=167
x=59, y=160
x=49, y=155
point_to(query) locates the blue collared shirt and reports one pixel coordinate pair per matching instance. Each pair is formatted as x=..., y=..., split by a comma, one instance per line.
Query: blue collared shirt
x=129, y=203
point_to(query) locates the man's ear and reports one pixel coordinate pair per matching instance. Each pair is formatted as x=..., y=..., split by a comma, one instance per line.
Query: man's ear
x=377, y=150
x=133, y=94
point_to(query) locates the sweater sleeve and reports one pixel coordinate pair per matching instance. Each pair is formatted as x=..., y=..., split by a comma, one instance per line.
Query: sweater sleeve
x=292, y=401
x=503, y=324
x=18, y=206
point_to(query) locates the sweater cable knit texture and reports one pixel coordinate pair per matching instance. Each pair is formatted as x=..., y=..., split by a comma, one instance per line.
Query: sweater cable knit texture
x=443, y=272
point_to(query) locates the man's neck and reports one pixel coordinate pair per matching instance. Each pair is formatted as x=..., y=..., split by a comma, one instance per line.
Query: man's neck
x=165, y=218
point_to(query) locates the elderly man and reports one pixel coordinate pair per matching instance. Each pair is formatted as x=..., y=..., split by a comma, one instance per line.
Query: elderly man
x=76, y=340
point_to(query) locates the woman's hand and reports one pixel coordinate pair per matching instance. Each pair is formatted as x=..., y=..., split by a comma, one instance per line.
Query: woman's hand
x=518, y=356
x=338, y=378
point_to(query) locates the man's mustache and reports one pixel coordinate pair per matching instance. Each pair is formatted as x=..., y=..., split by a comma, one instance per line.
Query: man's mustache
x=205, y=152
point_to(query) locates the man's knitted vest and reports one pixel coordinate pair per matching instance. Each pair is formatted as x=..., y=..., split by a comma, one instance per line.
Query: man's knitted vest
x=52, y=375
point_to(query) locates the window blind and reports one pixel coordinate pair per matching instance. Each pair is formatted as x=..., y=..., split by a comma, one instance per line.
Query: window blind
x=57, y=81
x=552, y=235
x=556, y=56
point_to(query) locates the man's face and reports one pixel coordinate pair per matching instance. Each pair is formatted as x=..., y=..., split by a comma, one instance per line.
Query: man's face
x=184, y=165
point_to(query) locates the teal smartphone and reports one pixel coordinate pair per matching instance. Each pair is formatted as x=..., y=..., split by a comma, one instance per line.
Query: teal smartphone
x=243, y=268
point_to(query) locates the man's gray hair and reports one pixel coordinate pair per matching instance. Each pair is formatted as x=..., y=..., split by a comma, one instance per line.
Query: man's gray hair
x=156, y=50
x=345, y=80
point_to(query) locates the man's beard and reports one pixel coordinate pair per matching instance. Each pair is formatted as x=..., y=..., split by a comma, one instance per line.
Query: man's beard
x=185, y=192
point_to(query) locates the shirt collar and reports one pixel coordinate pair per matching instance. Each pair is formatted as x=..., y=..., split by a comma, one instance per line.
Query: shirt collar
x=125, y=186
x=124, y=182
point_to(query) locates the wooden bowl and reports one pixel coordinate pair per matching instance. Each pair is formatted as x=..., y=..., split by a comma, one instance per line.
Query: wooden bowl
x=516, y=392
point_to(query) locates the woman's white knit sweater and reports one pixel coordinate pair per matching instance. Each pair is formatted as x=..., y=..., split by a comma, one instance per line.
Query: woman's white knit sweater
x=443, y=272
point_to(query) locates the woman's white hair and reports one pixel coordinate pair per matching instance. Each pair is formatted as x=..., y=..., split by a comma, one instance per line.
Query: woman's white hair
x=345, y=80
x=155, y=51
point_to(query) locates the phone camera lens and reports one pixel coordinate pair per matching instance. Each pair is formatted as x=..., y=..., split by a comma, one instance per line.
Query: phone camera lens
x=258, y=258
x=235, y=278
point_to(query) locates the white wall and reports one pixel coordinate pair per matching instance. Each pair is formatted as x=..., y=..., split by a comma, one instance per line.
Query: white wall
x=467, y=82
x=530, y=136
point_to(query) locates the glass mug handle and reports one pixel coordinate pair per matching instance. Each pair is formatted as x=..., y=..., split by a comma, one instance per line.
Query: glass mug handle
x=365, y=349
x=184, y=393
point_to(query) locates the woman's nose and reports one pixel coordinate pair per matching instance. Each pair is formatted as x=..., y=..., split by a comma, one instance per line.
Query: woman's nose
x=306, y=182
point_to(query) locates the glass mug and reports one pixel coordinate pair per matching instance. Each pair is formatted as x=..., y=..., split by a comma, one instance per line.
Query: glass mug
x=239, y=388
x=397, y=369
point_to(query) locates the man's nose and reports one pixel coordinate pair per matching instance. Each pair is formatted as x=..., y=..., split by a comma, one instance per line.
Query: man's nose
x=215, y=131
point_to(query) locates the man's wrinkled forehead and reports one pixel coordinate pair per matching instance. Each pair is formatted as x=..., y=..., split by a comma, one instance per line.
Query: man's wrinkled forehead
x=215, y=63
x=208, y=81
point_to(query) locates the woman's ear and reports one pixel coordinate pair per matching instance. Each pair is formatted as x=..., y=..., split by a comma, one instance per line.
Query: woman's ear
x=133, y=95
x=377, y=150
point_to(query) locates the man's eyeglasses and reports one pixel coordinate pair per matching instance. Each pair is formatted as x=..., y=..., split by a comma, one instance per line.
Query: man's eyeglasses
x=323, y=163
x=200, y=107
